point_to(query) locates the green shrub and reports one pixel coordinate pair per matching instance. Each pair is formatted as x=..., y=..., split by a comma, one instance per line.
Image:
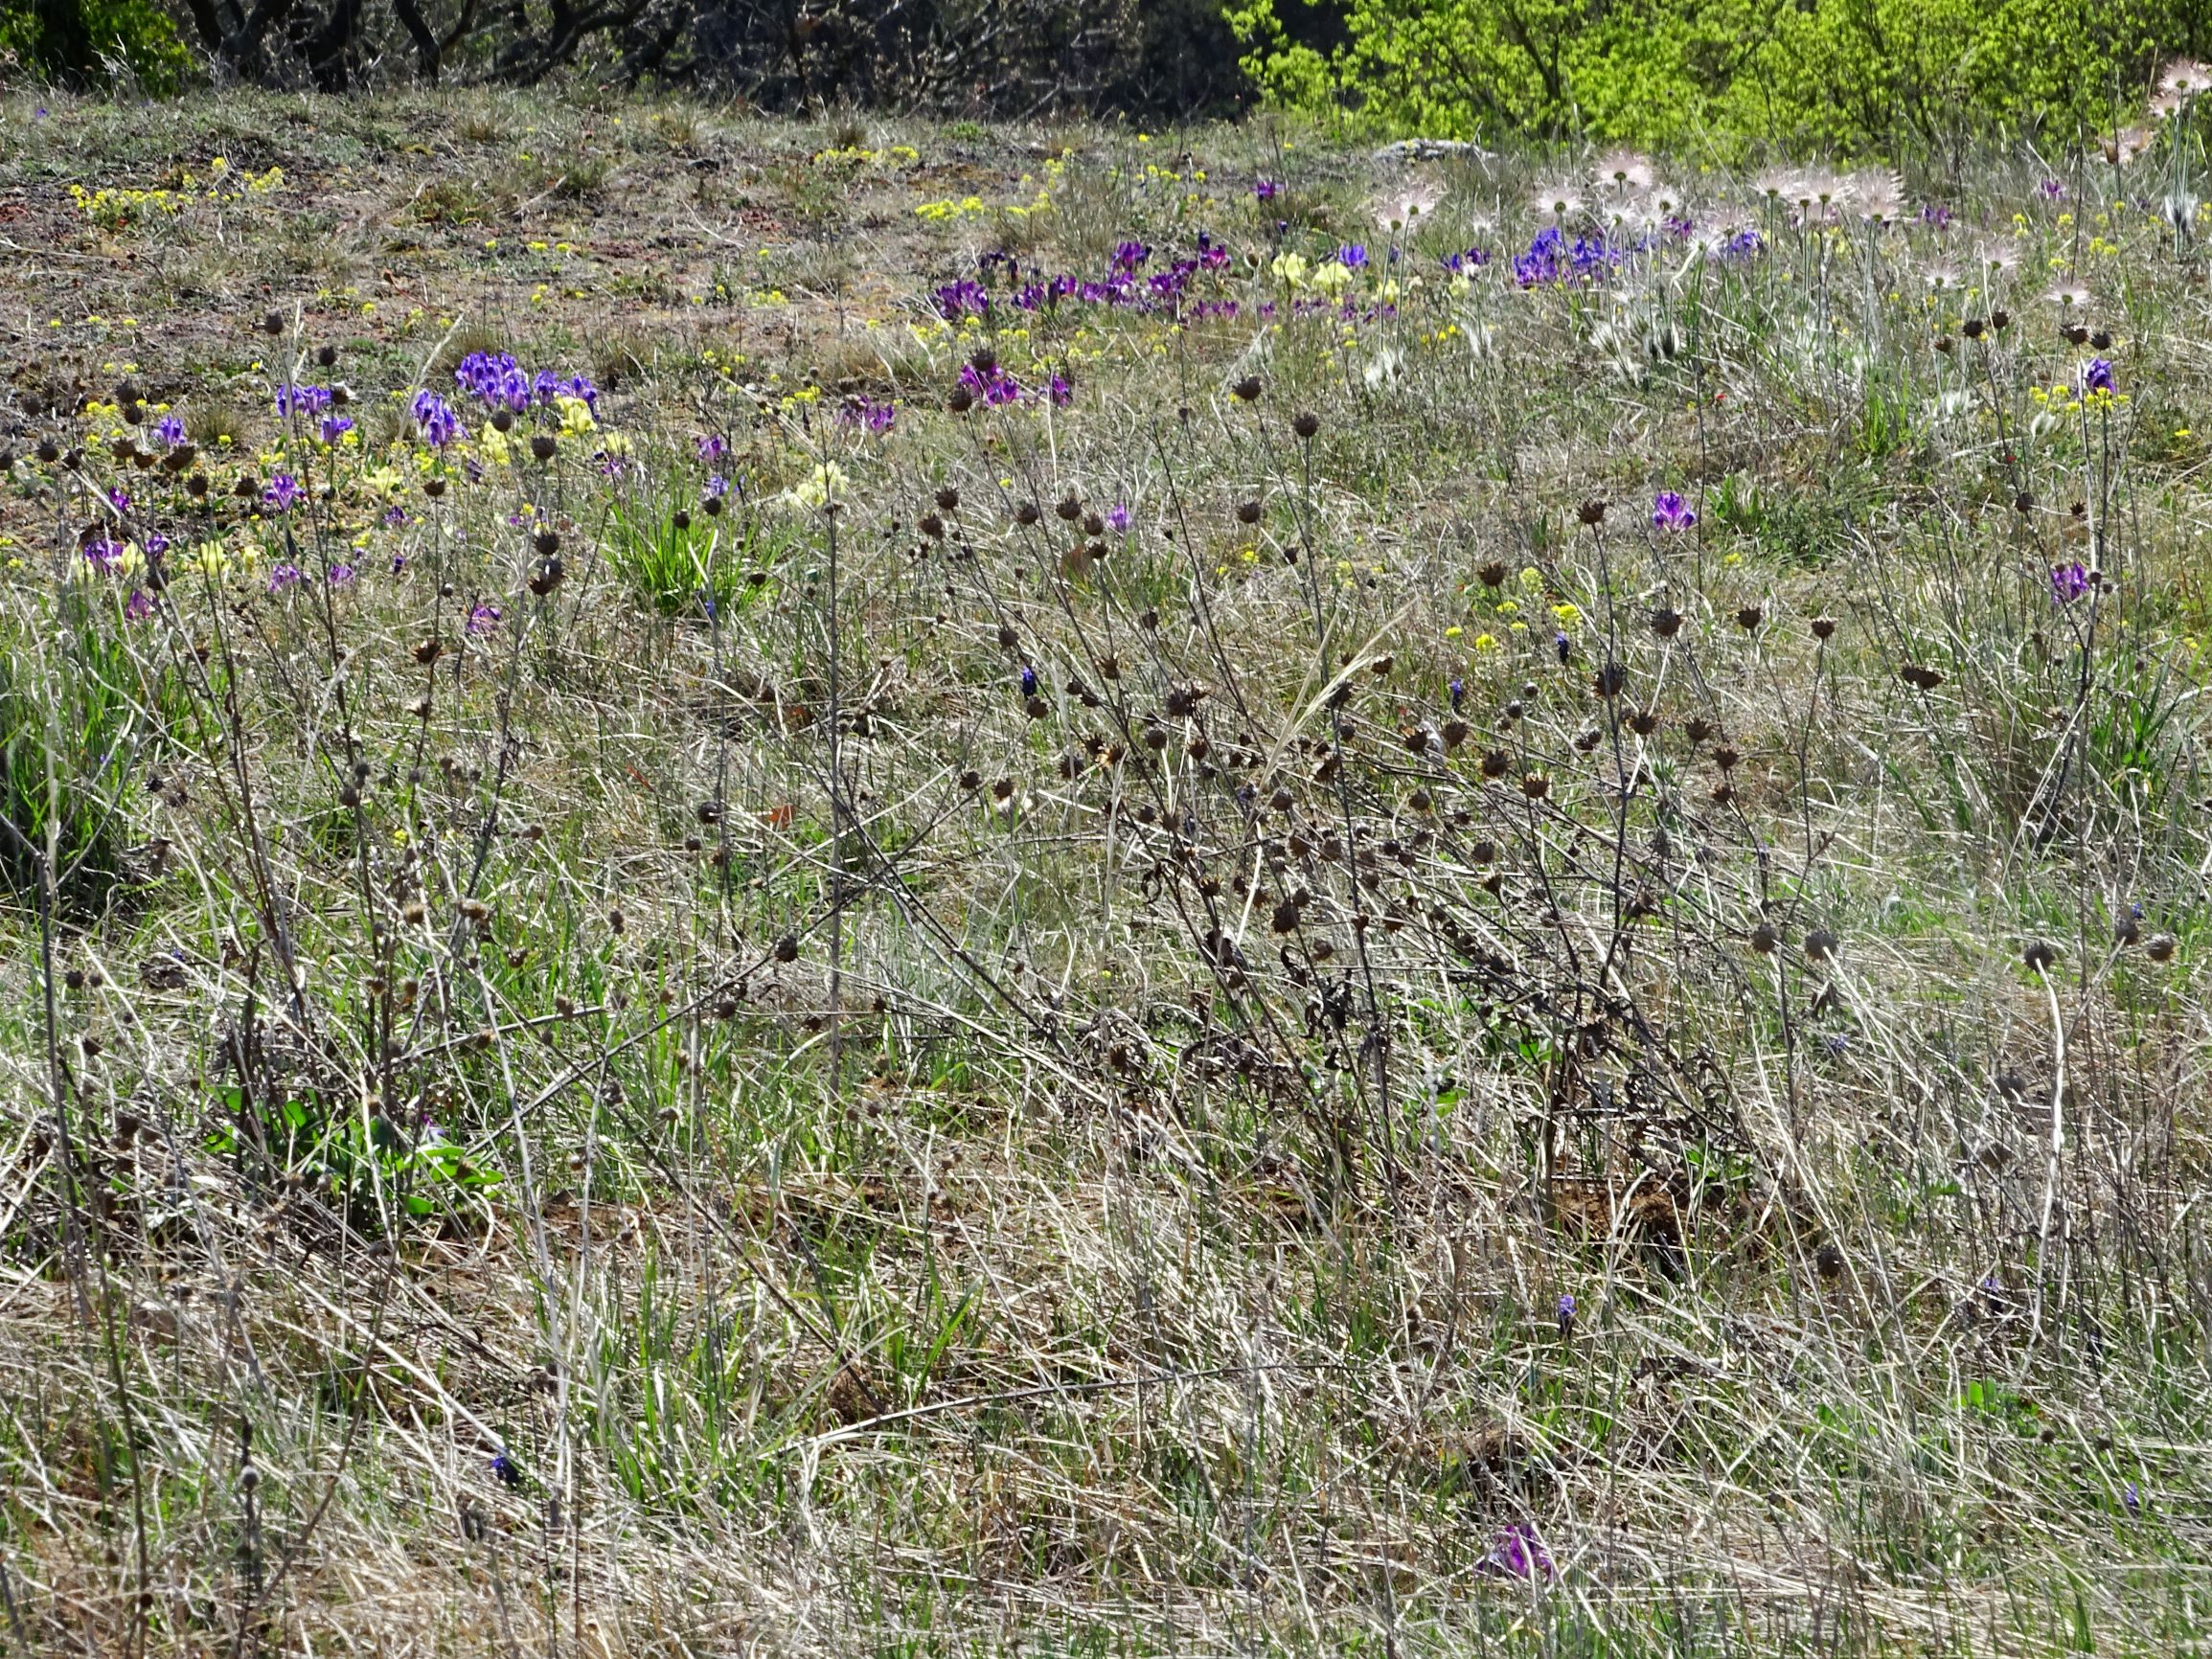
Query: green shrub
x=82, y=43
x=1889, y=76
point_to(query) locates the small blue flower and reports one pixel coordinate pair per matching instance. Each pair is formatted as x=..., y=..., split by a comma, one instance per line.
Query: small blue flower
x=1027, y=681
x=1566, y=1314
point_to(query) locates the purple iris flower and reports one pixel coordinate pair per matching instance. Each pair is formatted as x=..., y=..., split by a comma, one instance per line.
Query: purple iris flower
x=156, y=544
x=483, y=619
x=718, y=486
x=1027, y=681
x=962, y=299
x=137, y=607
x=307, y=400
x=103, y=555
x=712, y=447
x=1265, y=189
x=994, y=385
x=436, y=421
x=119, y=498
x=1351, y=256
x=1670, y=512
x=2097, y=376
x=1117, y=518
x=283, y=494
x=342, y=575
x=335, y=427
x=169, y=430
x=285, y=576
x=2069, y=581
x=1060, y=390
x=1566, y=1314
x=1518, y=1552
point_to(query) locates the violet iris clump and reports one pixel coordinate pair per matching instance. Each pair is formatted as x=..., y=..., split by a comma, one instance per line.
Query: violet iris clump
x=2069, y=581
x=1670, y=512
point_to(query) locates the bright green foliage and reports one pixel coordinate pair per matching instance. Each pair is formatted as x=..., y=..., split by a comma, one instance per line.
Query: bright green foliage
x=86, y=43
x=1892, y=76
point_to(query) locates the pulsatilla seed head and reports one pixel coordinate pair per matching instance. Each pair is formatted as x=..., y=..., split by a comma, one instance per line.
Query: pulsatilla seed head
x=1247, y=389
x=949, y=498
x=1823, y=627
x=1494, y=764
x=617, y=921
x=272, y=323
x=2023, y=502
x=1007, y=637
x=1493, y=573
x=2101, y=339
x=1306, y=423
x=1696, y=729
x=984, y=359
x=326, y=355
x=682, y=519
x=2127, y=930
x=503, y=420
x=542, y=446
x=2000, y=319
x=1973, y=327
x=1069, y=509
x=547, y=544
x=1764, y=938
x=1454, y=732
x=960, y=400
x=1247, y=512
x=972, y=780
x=1285, y=917
x=1749, y=617
x=1819, y=944
x=2038, y=955
x=788, y=948
x=1609, y=680
x=933, y=527
x=1027, y=513
x=1643, y=722
x=1280, y=800
x=1920, y=678
x=1093, y=524
x=1726, y=757
x=1592, y=512
x=2160, y=948
x=1666, y=621
x=1536, y=785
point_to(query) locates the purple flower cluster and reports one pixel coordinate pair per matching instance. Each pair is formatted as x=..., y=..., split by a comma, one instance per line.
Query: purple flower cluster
x=1124, y=285
x=1552, y=259
x=1467, y=261
x=497, y=380
x=2097, y=375
x=103, y=555
x=436, y=421
x=994, y=385
x=2069, y=581
x=283, y=494
x=1670, y=512
x=868, y=415
x=1518, y=1552
x=305, y=401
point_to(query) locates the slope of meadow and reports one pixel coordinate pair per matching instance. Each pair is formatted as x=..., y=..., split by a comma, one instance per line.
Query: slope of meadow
x=845, y=888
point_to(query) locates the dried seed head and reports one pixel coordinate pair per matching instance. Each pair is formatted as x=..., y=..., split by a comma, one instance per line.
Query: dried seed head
x=272, y=323
x=1749, y=617
x=1246, y=390
x=1247, y=512
x=1609, y=680
x=1764, y=938
x=1592, y=512
x=1027, y=513
x=960, y=400
x=1495, y=764
x=1007, y=637
x=1536, y=785
x=2038, y=955
x=2160, y=948
x=1666, y=621
x=1306, y=423
x=1643, y=722
x=788, y=948
x=1819, y=944
x=949, y=498
x=1493, y=573
x=1696, y=729
x=932, y=525
x=1823, y=627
